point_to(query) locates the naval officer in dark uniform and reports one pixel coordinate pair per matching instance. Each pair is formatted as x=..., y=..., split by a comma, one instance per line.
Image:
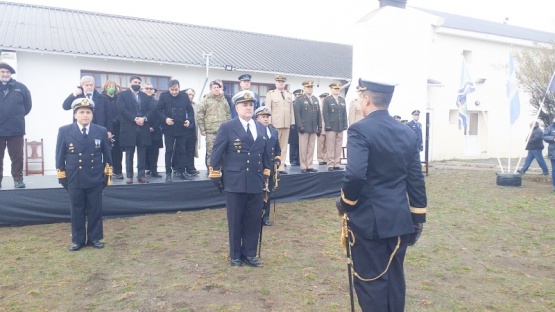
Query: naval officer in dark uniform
x=384, y=196
x=83, y=161
x=416, y=126
x=263, y=114
x=240, y=167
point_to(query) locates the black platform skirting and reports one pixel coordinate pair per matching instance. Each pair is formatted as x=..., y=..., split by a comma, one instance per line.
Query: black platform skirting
x=44, y=201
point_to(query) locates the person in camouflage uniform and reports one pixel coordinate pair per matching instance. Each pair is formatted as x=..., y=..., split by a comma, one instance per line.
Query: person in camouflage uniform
x=213, y=110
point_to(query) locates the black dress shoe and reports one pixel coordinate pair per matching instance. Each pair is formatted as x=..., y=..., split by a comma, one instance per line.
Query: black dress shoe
x=312, y=170
x=303, y=171
x=337, y=168
x=183, y=176
x=118, y=176
x=192, y=172
x=236, y=262
x=142, y=180
x=251, y=261
x=96, y=244
x=267, y=223
x=75, y=247
x=155, y=175
x=282, y=172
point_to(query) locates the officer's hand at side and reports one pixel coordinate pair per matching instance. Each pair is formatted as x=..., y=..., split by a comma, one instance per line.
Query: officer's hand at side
x=277, y=162
x=301, y=130
x=63, y=182
x=418, y=227
x=319, y=132
x=341, y=206
x=218, y=183
x=328, y=128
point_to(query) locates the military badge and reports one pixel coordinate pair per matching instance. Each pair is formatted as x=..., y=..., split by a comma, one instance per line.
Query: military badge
x=237, y=145
x=97, y=143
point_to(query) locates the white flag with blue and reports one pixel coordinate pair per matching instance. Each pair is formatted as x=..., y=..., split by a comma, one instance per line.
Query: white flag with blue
x=466, y=87
x=512, y=91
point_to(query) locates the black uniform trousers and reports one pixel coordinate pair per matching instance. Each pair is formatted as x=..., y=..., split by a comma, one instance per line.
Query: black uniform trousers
x=117, y=153
x=244, y=212
x=370, y=258
x=86, y=204
x=15, y=150
x=294, y=159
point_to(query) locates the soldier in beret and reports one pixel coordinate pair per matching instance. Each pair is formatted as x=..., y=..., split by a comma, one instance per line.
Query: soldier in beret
x=84, y=167
x=281, y=103
x=335, y=122
x=240, y=166
x=384, y=197
x=15, y=104
x=263, y=114
x=309, y=124
x=416, y=126
x=294, y=159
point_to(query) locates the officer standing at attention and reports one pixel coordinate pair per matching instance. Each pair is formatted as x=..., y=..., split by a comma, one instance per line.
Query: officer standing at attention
x=263, y=114
x=335, y=122
x=281, y=103
x=294, y=138
x=416, y=126
x=239, y=165
x=84, y=166
x=384, y=196
x=245, y=85
x=309, y=124
x=321, y=150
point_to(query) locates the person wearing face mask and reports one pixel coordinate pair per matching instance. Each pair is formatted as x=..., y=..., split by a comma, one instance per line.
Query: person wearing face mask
x=136, y=109
x=15, y=104
x=86, y=89
x=110, y=90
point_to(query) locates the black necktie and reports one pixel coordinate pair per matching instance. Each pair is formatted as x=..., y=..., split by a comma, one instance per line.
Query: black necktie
x=249, y=134
x=282, y=96
x=84, y=132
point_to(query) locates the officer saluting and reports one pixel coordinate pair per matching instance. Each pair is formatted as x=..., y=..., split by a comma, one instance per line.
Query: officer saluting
x=239, y=156
x=384, y=197
x=83, y=163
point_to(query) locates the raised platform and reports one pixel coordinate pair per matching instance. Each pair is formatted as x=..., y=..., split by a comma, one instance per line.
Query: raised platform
x=45, y=201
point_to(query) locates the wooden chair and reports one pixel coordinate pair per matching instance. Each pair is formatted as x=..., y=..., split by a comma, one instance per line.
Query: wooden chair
x=34, y=156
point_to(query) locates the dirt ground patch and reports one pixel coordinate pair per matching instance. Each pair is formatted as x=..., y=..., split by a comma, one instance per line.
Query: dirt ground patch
x=484, y=248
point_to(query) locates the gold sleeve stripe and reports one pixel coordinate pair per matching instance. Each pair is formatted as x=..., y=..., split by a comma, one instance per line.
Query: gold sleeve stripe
x=348, y=201
x=214, y=173
x=418, y=210
x=61, y=174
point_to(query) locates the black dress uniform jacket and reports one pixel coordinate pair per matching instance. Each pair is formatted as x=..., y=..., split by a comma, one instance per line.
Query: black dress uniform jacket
x=14, y=106
x=307, y=114
x=128, y=111
x=83, y=159
x=242, y=161
x=383, y=178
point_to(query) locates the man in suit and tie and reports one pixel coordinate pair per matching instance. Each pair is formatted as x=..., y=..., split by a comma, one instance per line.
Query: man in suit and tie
x=136, y=109
x=239, y=165
x=263, y=114
x=83, y=161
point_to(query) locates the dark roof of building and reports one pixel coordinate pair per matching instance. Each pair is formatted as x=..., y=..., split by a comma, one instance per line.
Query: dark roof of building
x=492, y=28
x=57, y=30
